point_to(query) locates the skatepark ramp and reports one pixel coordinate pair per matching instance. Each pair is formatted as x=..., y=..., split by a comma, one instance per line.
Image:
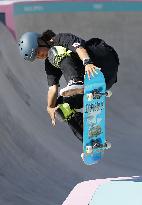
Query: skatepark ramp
x=124, y=190
x=40, y=164
x=31, y=152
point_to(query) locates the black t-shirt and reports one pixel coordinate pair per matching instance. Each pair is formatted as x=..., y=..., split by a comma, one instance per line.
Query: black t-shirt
x=69, y=41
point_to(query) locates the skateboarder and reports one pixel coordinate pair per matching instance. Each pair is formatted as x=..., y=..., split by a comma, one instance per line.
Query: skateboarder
x=72, y=56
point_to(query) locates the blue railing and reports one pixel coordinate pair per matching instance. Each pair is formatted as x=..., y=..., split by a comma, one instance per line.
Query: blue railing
x=60, y=7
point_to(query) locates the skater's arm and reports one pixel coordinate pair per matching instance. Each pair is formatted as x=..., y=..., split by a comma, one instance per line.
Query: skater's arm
x=52, y=96
x=53, y=77
x=90, y=68
x=82, y=53
x=51, y=102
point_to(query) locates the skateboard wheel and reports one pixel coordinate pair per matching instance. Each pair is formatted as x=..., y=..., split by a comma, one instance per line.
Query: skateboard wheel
x=89, y=149
x=82, y=156
x=90, y=96
x=108, y=93
x=108, y=145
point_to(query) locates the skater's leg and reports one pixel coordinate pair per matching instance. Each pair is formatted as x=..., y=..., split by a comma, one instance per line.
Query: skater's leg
x=75, y=102
x=70, y=115
x=76, y=125
x=72, y=69
x=64, y=111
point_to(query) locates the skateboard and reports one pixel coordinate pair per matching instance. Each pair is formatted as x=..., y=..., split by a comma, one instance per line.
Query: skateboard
x=94, y=136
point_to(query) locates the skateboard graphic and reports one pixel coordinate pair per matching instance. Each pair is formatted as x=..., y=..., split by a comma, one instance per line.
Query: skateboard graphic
x=94, y=139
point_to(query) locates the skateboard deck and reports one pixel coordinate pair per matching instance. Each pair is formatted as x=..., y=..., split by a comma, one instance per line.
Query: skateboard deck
x=94, y=136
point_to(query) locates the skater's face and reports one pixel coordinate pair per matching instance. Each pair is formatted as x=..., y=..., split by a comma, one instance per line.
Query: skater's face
x=42, y=53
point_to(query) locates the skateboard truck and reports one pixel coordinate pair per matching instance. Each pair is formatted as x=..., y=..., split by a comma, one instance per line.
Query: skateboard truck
x=95, y=94
x=97, y=145
x=94, y=144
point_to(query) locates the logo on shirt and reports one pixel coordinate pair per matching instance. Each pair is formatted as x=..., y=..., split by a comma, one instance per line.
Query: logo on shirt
x=76, y=45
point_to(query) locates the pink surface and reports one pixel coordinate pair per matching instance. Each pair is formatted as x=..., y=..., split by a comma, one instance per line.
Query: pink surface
x=8, y=10
x=82, y=192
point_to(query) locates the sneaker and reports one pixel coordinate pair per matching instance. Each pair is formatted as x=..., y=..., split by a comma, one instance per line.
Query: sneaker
x=73, y=88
